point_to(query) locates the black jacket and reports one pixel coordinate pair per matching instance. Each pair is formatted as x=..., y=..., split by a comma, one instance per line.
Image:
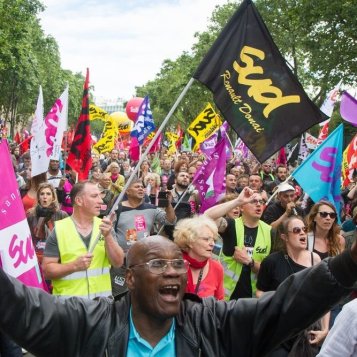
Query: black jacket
x=50, y=326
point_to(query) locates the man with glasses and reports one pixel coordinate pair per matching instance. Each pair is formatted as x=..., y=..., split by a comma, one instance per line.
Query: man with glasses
x=246, y=242
x=285, y=206
x=156, y=318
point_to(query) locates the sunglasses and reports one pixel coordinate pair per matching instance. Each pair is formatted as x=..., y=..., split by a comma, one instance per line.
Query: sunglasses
x=325, y=214
x=297, y=230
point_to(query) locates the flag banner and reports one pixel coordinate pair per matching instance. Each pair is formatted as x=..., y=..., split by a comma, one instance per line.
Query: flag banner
x=293, y=154
x=134, y=149
x=156, y=165
x=17, y=254
x=59, y=111
x=303, y=149
x=311, y=141
x=157, y=144
x=25, y=144
x=320, y=174
x=97, y=113
x=40, y=157
x=17, y=137
x=144, y=124
x=172, y=139
x=187, y=143
x=206, y=123
x=329, y=103
x=80, y=158
x=210, y=179
x=348, y=108
x=208, y=146
x=180, y=133
x=281, y=159
x=323, y=133
x=241, y=149
x=110, y=133
x=349, y=163
x=253, y=87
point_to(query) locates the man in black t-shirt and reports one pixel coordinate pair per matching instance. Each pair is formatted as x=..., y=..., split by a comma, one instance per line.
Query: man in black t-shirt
x=283, y=207
x=246, y=242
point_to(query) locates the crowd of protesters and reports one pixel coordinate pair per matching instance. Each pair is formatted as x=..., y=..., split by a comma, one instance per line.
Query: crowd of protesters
x=236, y=249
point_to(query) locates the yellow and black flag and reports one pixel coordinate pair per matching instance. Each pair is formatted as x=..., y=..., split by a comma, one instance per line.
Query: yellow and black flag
x=253, y=87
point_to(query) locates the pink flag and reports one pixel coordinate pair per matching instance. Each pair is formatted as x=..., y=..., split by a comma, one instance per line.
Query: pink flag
x=209, y=180
x=17, y=253
x=348, y=108
x=134, y=150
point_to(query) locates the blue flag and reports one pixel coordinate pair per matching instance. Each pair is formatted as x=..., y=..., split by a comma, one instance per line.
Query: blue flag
x=144, y=124
x=320, y=174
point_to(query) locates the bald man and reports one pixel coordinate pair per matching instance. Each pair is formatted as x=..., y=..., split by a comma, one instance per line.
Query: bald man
x=155, y=318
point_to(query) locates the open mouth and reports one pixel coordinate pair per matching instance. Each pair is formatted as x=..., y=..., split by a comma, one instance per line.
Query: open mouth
x=302, y=240
x=169, y=293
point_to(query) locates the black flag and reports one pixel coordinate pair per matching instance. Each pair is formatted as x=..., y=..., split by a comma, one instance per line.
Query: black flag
x=253, y=87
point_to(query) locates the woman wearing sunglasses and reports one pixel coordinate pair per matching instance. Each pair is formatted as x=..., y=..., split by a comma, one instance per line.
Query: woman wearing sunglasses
x=324, y=238
x=196, y=237
x=275, y=268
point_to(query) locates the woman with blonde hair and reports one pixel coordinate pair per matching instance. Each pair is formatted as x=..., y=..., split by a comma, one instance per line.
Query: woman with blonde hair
x=152, y=183
x=118, y=181
x=196, y=237
x=41, y=218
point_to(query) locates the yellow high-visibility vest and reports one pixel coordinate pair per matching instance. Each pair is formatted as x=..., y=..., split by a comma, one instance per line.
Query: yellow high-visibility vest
x=90, y=283
x=233, y=269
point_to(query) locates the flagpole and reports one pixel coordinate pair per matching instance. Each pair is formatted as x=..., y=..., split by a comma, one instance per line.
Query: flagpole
x=230, y=142
x=131, y=177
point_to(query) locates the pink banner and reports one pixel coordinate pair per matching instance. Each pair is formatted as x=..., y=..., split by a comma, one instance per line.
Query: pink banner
x=17, y=253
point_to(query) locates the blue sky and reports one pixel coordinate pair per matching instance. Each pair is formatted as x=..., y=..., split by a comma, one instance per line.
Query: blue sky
x=123, y=42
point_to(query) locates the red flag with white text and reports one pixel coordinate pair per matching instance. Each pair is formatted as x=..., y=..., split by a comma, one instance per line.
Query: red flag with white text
x=80, y=158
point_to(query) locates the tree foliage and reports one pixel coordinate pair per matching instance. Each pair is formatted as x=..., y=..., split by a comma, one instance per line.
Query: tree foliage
x=317, y=38
x=29, y=58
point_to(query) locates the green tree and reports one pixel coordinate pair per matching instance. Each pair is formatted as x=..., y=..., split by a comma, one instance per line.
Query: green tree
x=29, y=58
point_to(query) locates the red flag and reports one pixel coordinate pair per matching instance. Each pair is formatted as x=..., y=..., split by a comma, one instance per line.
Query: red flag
x=25, y=145
x=323, y=133
x=80, y=158
x=281, y=160
x=17, y=138
x=180, y=133
x=157, y=144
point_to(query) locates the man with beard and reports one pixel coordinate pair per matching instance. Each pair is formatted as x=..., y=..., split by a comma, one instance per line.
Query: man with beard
x=283, y=207
x=187, y=199
x=246, y=242
x=77, y=264
x=54, y=174
x=155, y=318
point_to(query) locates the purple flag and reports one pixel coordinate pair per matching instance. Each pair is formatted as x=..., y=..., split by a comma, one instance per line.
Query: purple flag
x=17, y=253
x=210, y=179
x=348, y=108
x=208, y=146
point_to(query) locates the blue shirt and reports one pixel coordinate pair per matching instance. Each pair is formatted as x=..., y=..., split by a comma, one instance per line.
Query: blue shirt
x=138, y=347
